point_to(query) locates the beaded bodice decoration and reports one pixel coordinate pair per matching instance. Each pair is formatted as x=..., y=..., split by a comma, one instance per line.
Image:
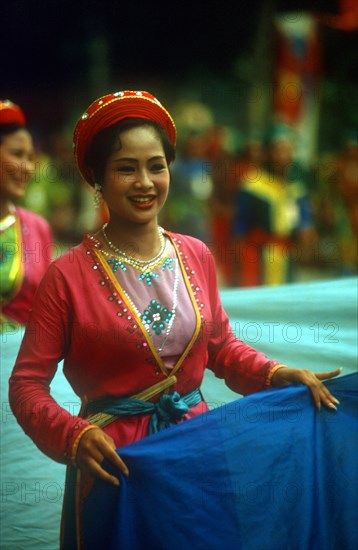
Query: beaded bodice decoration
x=154, y=288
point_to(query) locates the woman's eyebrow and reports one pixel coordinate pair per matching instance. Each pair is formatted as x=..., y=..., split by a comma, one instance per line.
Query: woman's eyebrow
x=131, y=159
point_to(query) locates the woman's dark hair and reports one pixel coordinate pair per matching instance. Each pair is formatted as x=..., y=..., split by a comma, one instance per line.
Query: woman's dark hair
x=102, y=144
x=11, y=128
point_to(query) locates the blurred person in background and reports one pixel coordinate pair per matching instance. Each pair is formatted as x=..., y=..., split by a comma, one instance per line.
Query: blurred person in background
x=273, y=224
x=252, y=156
x=240, y=162
x=346, y=183
x=25, y=237
x=56, y=193
x=223, y=166
x=191, y=183
x=335, y=201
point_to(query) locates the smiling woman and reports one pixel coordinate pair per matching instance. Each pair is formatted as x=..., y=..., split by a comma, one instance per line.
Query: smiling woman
x=136, y=179
x=134, y=311
x=25, y=238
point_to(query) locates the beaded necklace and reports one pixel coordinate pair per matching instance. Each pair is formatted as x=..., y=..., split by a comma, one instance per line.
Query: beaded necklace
x=8, y=220
x=147, y=273
x=144, y=265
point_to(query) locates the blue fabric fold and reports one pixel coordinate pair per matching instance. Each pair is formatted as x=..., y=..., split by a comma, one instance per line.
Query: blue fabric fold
x=164, y=413
x=265, y=471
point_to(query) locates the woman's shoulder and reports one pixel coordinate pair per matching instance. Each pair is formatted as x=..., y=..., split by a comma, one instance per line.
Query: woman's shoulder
x=66, y=272
x=187, y=240
x=72, y=256
x=30, y=217
x=192, y=244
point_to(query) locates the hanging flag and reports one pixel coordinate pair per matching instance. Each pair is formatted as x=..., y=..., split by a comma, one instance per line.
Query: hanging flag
x=296, y=78
x=345, y=20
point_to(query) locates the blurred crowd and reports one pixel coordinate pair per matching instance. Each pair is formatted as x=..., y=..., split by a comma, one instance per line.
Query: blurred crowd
x=267, y=218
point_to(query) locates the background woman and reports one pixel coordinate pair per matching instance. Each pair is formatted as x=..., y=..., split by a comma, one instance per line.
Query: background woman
x=25, y=237
x=134, y=311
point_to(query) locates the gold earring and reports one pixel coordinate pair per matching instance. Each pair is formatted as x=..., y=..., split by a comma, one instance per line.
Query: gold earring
x=97, y=197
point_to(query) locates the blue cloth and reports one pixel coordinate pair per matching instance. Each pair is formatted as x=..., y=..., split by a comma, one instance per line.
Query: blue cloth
x=264, y=472
x=165, y=412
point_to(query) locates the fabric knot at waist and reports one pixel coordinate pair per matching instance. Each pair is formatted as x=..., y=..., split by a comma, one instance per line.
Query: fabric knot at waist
x=164, y=413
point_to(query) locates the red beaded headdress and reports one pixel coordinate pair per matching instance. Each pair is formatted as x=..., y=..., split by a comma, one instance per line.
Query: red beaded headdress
x=11, y=113
x=109, y=110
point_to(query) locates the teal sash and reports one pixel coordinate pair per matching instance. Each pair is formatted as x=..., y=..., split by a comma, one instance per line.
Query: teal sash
x=164, y=413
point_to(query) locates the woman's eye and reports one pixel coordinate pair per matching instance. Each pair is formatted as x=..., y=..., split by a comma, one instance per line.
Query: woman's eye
x=17, y=153
x=158, y=167
x=125, y=169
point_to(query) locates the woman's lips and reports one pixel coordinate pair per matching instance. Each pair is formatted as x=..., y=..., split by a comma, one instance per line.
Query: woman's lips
x=142, y=202
x=19, y=185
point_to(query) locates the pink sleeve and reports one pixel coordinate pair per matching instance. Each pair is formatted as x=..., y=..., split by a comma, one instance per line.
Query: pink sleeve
x=52, y=428
x=37, y=250
x=244, y=369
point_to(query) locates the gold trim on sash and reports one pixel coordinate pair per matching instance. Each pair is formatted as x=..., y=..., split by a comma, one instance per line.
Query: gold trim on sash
x=103, y=419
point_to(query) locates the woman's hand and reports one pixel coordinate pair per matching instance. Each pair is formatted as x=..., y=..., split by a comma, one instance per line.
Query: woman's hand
x=285, y=375
x=93, y=447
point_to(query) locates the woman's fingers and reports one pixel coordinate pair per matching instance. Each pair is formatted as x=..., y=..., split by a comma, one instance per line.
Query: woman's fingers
x=329, y=374
x=93, y=448
x=320, y=393
x=117, y=461
x=94, y=469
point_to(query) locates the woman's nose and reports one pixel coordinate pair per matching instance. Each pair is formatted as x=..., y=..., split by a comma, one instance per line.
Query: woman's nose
x=27, y=167
x=144, y=181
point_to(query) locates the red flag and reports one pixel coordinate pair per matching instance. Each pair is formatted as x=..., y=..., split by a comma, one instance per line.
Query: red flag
x=297, y=65
x=346, y=20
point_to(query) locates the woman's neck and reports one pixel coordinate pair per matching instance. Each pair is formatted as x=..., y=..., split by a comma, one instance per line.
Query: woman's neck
x=141, y=241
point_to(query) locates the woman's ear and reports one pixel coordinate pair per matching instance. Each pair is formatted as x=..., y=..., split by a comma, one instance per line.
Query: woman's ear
x=93, y=177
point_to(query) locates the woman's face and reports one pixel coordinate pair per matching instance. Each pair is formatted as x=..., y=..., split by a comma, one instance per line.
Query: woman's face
x=136, y=177
x=16, y=164
x=281, y=154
